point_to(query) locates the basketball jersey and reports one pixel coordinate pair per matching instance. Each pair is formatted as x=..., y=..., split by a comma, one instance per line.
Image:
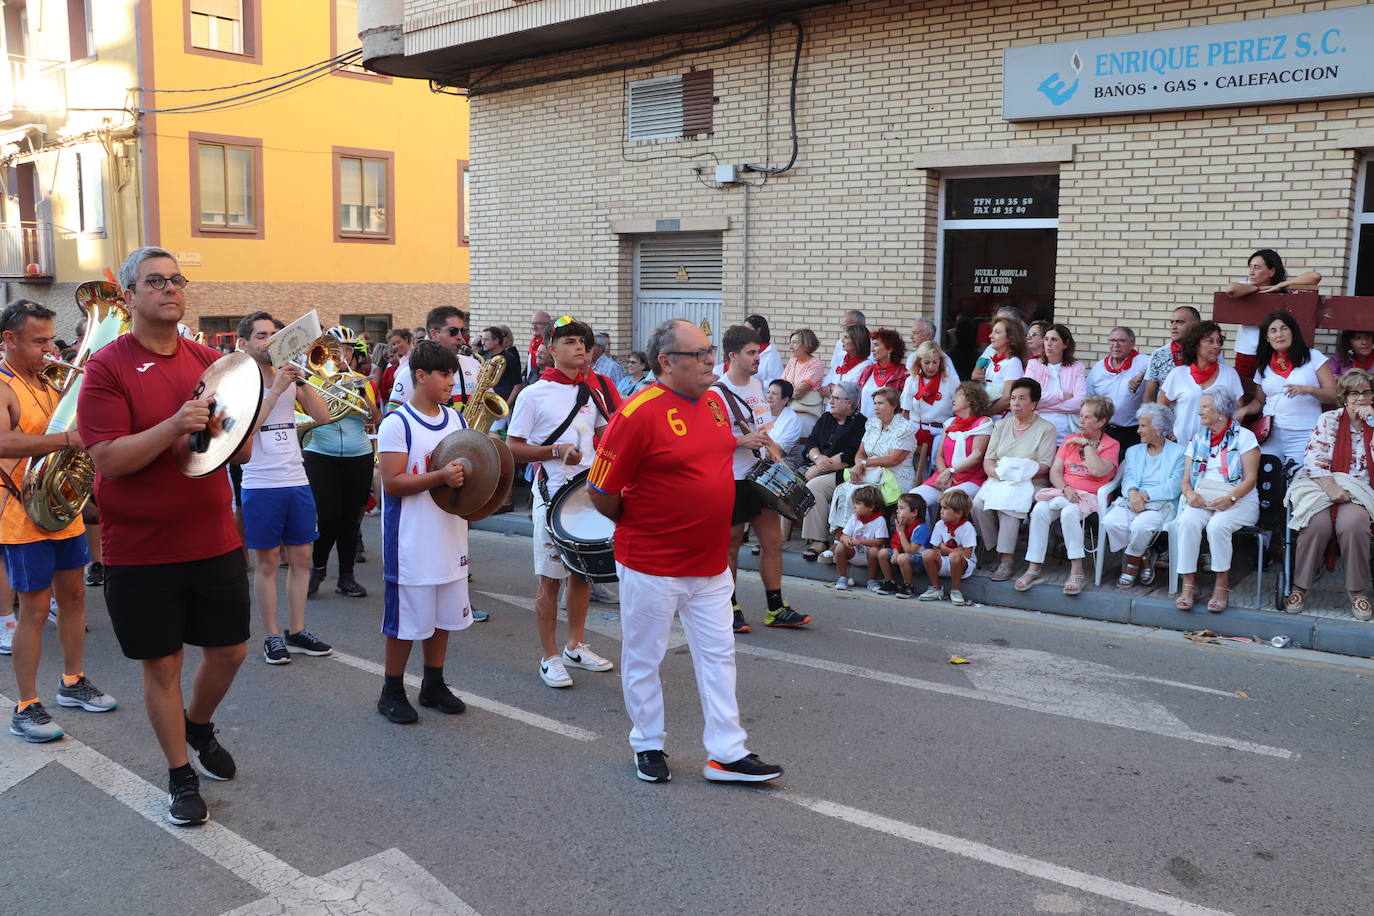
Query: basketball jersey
x=421, y=543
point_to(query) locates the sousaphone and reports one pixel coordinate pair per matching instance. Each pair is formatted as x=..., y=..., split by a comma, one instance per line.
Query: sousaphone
x=488, y=472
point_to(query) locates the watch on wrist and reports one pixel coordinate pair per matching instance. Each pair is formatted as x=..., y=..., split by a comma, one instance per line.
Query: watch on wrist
x=555, y=451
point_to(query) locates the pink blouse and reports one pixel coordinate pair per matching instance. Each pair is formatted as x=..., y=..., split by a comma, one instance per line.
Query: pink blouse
x=1076, y=470
x=812, y=371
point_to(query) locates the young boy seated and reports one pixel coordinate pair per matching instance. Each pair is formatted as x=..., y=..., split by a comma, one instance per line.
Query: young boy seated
x=951, y=547
x=909, y=539
x=867, y=529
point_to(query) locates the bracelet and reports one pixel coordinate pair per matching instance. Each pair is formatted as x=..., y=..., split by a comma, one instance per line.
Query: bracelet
x=553, y=451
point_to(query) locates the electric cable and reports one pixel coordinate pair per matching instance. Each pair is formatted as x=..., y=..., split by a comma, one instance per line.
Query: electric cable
x=259, y=80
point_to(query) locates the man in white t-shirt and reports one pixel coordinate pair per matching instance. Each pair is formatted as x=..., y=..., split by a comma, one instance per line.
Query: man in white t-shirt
x=449, y=327
x=553, y=424
x=1120, y=378
x=770, y=361
x=278, y=508
x=851, y=318
x=743, y=395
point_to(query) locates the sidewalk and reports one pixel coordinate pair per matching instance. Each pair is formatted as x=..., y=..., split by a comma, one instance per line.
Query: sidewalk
x=1327, y=626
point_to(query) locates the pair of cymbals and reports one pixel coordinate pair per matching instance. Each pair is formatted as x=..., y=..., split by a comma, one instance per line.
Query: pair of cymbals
x=488, y=472
x=233, y=385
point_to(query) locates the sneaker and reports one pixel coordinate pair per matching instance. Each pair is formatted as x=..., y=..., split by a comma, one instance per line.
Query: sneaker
x=480, y=616
x=552, y=672
x=441, y=698
x=784, y=616
x=739, y=626
x=957, y=598
x=875, y=586
x=745, y=769
x=886, y=587
x=306, y=643
x=842, y=584
x=359, y=556
x=274, y=651
x=827, y=557
x=185, y=807
x=905, y=591
x=317, y=575
x=934, y=593
x=600, y=594
x=7, y=639
x=86, y=695
x=652, y=766
x=52, y=610
x=95, y=575
x=397, y=708
x=584, y=657
x=209, y=755
x=34, y=724
x=347, y=585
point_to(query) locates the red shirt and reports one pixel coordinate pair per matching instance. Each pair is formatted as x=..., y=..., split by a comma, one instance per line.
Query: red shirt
x=157, y=515
x=672, y=461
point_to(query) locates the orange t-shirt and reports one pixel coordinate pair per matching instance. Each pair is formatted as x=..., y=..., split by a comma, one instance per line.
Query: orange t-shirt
x=36, y=404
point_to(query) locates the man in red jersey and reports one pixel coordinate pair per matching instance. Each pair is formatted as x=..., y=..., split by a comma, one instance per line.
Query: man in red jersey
x=175, y=571
x=663, y=473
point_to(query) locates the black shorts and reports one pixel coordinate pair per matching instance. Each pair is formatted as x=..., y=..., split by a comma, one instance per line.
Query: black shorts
x=749, y=502
x=157, y=609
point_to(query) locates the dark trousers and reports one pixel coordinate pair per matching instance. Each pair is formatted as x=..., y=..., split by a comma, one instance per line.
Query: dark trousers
x=1126, y=435
x=341, y=487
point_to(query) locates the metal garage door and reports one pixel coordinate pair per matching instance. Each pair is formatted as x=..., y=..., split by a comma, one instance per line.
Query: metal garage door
x=677, y=276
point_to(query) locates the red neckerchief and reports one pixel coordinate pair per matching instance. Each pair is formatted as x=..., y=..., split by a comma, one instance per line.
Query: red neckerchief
x=1365, y=363
x=866, y=519
x=1217, y=437
x=885, y=377
x=1281, y=364
x=959, y=424
x=928, y=388
x=1126, y=364
x=1341, y=455
x=952, y=542
x=848, y=363
x=535, y=341
x=555, y=374
x=594, y=384
x=1202, y=378
x=997, y=360
x=1176, y=351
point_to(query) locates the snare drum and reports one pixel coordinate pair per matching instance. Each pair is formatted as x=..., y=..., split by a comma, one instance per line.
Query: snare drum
x=584, y=538
x=783, y=489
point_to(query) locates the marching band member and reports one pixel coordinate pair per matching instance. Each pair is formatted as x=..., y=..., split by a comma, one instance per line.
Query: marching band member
x=673, y=445
x=40, y=563
x=553, y=424
x=448, y=326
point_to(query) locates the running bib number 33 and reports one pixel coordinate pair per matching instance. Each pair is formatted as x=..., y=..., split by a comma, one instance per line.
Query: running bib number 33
x=676, y=423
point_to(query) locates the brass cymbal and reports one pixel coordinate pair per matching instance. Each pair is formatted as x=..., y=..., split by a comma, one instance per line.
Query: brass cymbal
x=482, y=467
x=234, y=384
x=503, y=484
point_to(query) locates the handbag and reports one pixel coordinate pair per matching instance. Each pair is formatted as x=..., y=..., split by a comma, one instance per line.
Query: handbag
x=888, y=486
x=809, y=403
x=1262, y=427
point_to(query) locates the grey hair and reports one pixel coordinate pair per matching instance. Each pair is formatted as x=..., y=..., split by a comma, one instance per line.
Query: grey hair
x=857, y=315
x=1223, y=401
x=1125, y=330
x=128, y=271
x=602, y=338
x=661, y=339
x=848, y=390
x=926, y=323
x=1160, y=416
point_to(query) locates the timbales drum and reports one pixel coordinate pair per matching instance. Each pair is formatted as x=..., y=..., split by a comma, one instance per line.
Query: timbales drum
x=783, y=489
x=584, y=538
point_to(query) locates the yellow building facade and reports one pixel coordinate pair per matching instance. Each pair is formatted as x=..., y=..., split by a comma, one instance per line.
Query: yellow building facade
x=285, y=180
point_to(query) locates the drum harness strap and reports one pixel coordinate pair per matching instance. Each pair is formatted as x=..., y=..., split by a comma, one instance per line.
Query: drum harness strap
x=737, y=407
x=584, y=394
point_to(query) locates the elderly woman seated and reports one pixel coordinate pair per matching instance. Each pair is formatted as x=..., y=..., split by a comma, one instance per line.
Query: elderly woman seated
x=1336, y=483
x=1150, y=485
x=1219, y=479
x=1085, y=462
x=889, y=439
x=959, y=460
x=831, y=448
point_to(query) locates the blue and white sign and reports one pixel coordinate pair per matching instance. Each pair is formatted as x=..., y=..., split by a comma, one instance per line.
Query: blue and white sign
x=1324, y=55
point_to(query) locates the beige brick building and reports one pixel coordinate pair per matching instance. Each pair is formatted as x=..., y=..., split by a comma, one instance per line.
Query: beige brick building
x=900, y=132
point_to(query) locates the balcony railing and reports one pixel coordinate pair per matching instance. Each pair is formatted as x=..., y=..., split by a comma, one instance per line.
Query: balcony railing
x=26, y=251
x=31, y=89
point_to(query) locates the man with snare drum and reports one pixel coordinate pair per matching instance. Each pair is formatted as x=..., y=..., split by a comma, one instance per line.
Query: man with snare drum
x=552, y=426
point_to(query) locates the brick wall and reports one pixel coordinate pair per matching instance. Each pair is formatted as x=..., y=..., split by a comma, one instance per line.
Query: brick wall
x=407, y=303
x=1156, y=210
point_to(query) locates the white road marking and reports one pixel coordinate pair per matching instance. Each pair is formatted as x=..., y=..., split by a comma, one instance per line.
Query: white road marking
x=390, y=882
x=478, y=702
x=1035, y=868
x=610, y=628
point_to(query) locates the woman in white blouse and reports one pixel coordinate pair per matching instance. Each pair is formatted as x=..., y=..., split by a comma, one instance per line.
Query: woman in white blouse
x=1006, y=364
x=1293, y=386
x=1202, y=369
x=856, y=344
x=928, y=395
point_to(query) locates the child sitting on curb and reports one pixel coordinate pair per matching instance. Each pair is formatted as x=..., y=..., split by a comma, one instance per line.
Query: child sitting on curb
x=867, y=528
x=951, y=547
x=909, y=539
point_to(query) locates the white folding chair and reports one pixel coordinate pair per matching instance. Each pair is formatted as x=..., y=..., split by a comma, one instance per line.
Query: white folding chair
x=1097, y=543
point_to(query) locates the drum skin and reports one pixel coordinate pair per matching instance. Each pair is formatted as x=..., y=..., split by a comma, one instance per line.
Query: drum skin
x=584, y=538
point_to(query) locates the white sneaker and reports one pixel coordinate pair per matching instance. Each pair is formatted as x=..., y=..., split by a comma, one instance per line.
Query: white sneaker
x=584, y=657
x=934, y=593
x=552, y=672
x=956, y=597
x=828, y=557
x=841, y=584
x=875, y=585
x=7, y=638
x=52, y=610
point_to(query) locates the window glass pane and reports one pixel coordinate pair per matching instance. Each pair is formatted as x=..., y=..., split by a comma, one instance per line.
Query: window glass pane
x=1368, y=192
x=239, y=188
x=212, y=185
x=91, y=191
x=1005, y=197
x=1364, y=262
x=350, y=195
x=374, y=196
x=466, y=233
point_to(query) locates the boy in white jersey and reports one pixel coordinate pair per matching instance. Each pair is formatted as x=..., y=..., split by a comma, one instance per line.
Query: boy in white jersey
x=424, y=548
x=553, y=423
x=278, y=506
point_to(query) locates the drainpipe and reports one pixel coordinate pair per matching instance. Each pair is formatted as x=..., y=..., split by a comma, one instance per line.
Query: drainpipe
x=744, y=283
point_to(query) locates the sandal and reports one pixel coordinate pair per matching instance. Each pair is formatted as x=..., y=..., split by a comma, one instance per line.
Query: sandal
x=1075, y=584
x=1147, y=568
x=1296, y=602
x=1215, y=606
x=1027, y=579
x=1360, y=606
x=1002, y=573
x=1129, y=569
x=810, y=554
x=1186, y=601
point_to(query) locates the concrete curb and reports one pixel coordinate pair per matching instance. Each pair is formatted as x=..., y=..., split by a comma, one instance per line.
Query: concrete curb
x=1326, y=634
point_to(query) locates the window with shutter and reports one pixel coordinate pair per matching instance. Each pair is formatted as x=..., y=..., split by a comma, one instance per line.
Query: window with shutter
x=686, y=264
x=226, y=175
x=222, y=25
x=672, y=106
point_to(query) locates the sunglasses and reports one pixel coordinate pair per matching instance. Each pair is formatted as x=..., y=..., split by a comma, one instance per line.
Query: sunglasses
x=454, y=332
x=565, y=320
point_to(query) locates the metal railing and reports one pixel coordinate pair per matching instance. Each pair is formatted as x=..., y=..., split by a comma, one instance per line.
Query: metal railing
x=31, y=87
x=26, y=251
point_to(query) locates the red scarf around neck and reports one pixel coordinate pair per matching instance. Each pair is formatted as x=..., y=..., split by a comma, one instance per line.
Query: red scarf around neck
x=1341, y=454
x=998, y=360
x=1366, y=363
x=1176, y=351
x=555, y=374
x=848, y=363
x=1217, y=437
x=959, y=424
x=1281, y=364
x=1203, y=377
x=952, y=541
x=866, y=518
x=928, y=388
x=1125, y=364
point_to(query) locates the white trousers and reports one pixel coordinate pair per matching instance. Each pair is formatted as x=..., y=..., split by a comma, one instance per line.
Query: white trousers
x=1070, y=520
x=932, y=497
x=647, y=606
x=996, y=527
x=1219, y=525
x=1129, y=529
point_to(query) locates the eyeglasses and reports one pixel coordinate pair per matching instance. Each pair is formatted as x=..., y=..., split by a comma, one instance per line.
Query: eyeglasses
x=1117, y=340
x=1361, y=393
x=707, y=356
x=158, y=281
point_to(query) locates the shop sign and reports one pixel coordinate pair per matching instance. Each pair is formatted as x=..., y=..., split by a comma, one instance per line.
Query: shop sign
x=1321, y=55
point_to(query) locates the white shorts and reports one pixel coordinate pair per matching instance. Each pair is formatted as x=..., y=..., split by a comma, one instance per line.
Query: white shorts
x=547, y=562
x=944, y=568
x=416, y=611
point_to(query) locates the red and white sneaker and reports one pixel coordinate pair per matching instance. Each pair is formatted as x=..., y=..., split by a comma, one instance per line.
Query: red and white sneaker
x=745, y=769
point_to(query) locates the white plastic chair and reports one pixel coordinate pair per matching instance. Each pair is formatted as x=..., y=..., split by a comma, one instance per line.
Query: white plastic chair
x=1099, y=539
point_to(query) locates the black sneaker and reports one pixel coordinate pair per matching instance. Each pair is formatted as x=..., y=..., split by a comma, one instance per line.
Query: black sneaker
x=95, y=575
x=887, y=587
x=317, y=575
x=397, y=709
x=740, y=626
x=358, y=555
x=306, y=643
x=210, y=757
x=274, y=651
x=185, y=807
x=905, y=591
x=652, y=766
x=441, y=698
x=745, y=769
x=784, y=616
x=347, y=585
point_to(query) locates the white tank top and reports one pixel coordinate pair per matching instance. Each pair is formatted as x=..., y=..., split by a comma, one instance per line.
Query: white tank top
x=277, y=452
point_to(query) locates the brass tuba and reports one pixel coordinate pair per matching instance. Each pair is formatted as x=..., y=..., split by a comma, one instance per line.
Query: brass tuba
x=485, y=406
x=58, y=484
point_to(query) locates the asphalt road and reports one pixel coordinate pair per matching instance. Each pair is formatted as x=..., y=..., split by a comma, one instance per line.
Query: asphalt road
x=1070, y=767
